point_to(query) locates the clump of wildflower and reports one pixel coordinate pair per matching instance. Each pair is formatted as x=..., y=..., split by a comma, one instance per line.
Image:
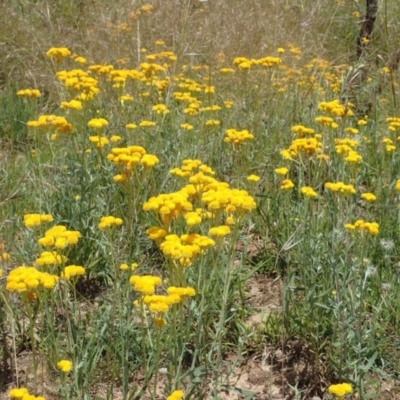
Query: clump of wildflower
x=302, y=131
x=72, y=105
x=32, y=220
x=50, y=258
x=160, y=109
x=176, y=395
x=281, y=171
x=29, y=279
x=97, y=123
x=334, y=107
x=60, y=123
x=220, y=231
x=72, y=270
x=23, y=394
x=59, y=237
x=237, y=137
x=58, y=53
x=308, y=146
x=253, y=178
x=99, y=141
x=369, y=197
x=29, y=93
x=64, y=366
x=109, y=222
x=370, y=227
x=287, y=184
x=127, y=158
x=308, y=192
x=340, y=187
x=146, y=284
x=340, y=390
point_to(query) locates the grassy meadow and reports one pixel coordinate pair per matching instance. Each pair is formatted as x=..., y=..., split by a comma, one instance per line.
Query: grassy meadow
x=199, y=199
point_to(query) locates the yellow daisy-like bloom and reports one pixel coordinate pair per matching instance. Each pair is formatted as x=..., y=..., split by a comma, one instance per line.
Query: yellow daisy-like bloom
x=32, y=220
x=340, y=390
x=108, y=222
x=58, y=53
x=64, y=366
x=253, y=178
x=281, y=171
x=287, y=184
x=370, y=197
x=18, y=393
x=176, y=395
x=72, y=270
x=220, y=231
x=397, y=187
x=97, y=123
x=29, y=93
x=308, y=192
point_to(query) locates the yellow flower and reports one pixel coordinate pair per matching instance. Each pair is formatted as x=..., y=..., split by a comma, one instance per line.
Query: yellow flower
x=340, y=390
x=176, y=395
x=308, y=192
x=72, y=270
x=220, y=231
x=18, y=393
x=64, y=366
x=58, y=53
x=108, y=222
x=97, y=123
x=253, y=178
x=368, y=197
x=281, y=171
x=287, y=184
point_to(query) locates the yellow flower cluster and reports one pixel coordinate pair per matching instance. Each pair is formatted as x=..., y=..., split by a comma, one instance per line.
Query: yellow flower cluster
x=309, y=192
x=72, y=105
x=326, y=121
x=245, y=63
x=64, y=366
x=60, y=124
x=334, y=107
x=29, y=93
x=23, y=394
x=58, y=53
x=220, y=231
x=72, y=270
x=160, y=109
x=182, y=292
x=308, y=146
x=340, y=187
x=370, y=197
x=80, y=81
x=32, y=220
x=109, y=222
x=287, y=184
x=146, y=284
x=99, y=141
x=176, y=395
x=186, y=247
x=160, y=304
x=394, y=123
x=128, y=158
x=29, y=279
x=97, y=123
x=371, y=227
x=340, y=390
x=59, y=237
x=237, y=137
x=346, y=147
x=215, y=198
x=302, y=131
x=50, y=258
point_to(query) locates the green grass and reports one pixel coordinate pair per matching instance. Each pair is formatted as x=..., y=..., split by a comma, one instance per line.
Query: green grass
x=339, y=309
